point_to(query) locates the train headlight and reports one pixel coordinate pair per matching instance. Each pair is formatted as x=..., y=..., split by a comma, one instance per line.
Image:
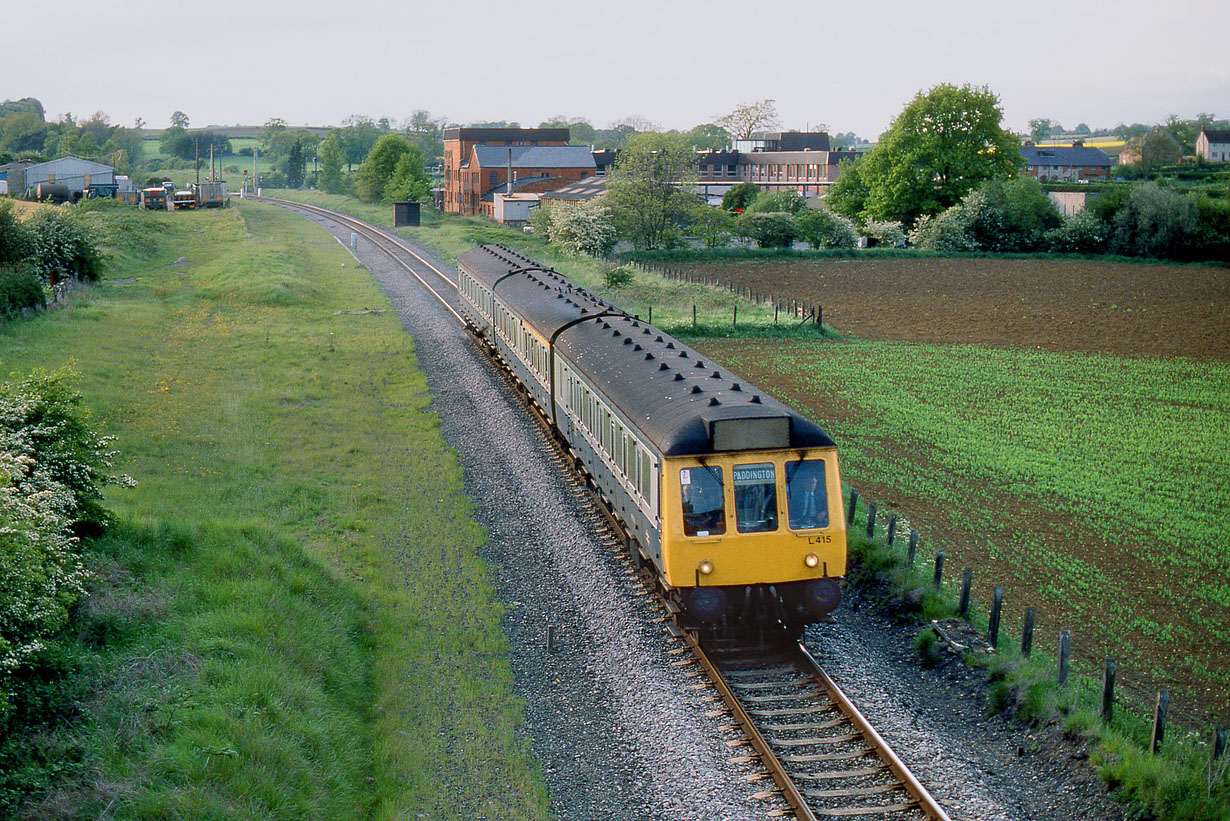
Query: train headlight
x=705, y=567
x=811, y=560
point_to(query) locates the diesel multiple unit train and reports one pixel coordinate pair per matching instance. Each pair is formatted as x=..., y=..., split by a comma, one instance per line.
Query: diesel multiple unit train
x=733, y=498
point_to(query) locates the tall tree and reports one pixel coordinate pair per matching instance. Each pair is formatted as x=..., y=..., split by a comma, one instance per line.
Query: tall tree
x=379, y=168
x=648, y=189
x=295, y=165
x=331, y=159
x=945, y=143
x=748, y=118
x=179, y=120
x=708, y=136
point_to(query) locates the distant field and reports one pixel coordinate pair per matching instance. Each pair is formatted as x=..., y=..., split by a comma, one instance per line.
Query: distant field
x=1055, y=454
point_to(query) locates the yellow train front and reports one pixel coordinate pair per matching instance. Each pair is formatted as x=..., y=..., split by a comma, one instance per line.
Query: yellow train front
x=752, y=536
x=731, y=496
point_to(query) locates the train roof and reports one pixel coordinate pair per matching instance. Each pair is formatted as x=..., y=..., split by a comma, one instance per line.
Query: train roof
x=683, y=402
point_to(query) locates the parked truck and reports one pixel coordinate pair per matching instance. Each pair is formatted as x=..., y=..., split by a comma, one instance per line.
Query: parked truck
x=210, y=194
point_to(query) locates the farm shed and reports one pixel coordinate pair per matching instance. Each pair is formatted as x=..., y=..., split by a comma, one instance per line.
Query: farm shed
x=74, y=172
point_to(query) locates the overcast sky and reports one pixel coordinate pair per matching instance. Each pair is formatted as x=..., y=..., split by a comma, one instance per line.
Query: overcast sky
x=851, y=66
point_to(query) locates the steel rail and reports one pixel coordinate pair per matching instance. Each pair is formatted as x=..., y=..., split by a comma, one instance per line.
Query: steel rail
x=896, y=766
x=921, y=800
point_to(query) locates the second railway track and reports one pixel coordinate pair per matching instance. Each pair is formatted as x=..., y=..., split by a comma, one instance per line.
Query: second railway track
x=825, y=759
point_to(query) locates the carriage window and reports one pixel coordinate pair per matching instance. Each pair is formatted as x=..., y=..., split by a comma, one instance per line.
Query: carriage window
x=809, y=503
x=704, y=505
x=755, y=497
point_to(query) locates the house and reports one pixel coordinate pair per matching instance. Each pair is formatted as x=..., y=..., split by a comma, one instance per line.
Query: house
x=1075, y=163
x=78, y=174
x=479, y=162
x=1213, y=146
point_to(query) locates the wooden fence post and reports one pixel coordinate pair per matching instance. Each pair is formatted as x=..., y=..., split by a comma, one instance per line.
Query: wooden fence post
x=1108, y=691
x=892, y=528
x=909, y=555
x=871, y=520
x=997, y=603
x=1065, y=651
x=1159, y=719
x=1027, y=633
x=853, y=506
x=693, y=315
x=1219, y=744
x=967, y=581
x=939, y=569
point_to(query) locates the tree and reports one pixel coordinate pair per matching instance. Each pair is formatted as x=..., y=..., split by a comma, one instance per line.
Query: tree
x=749, y=118
x=1042, y=128
x=24, y=131
x=357, y=136
x=179, y=120
x=945, y=143
x=1013, y=215
x=1153, y=222
x=788, y=200
x=331, y=159
x=1154, y=149
x=581, y=227
x=409, y=182
x=772, y=229
x=379, y=167
x=708, y=136
x=849, y=194
x=647, y=189
x=295, y=165
x=26, y=105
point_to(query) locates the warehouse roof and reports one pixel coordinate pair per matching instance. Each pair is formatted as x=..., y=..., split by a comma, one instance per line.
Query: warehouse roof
x=534, y=156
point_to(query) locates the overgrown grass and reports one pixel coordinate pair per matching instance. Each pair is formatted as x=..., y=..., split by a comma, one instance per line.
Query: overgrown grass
x=291, y=620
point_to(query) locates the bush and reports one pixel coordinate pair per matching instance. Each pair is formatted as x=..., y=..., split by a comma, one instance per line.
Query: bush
x=1081, y=233
x=51, y=472
x=772, y=230
x=947, y=232
x=19, y=290
x=61, y=245
x=14, y=237
x=740, y=197
x=822, y=228
x=885, y=234
x=617, y=278
x=1011, y=215
x=1153, y=222
x=787, y=200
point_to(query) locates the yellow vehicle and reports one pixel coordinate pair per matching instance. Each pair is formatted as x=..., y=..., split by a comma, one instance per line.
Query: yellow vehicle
x=731, y=496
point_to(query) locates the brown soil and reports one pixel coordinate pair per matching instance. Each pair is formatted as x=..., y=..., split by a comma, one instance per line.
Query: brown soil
x=1123, y=308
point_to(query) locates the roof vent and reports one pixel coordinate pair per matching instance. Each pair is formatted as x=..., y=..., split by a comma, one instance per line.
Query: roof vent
x=736, y=387
x=714, y=401
x=697, y=389
x=678, y=376
x=755, y=399
x=670, y=345
x=700, y=364
x=665, y=367
x=648, y=357
x=626, y=341
x=715, y=375
x=606, y=326
x=683, y=354
x=659, y=339
x=636, y=347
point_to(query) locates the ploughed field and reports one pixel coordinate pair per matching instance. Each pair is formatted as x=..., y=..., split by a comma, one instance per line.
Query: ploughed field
x=1059, y=427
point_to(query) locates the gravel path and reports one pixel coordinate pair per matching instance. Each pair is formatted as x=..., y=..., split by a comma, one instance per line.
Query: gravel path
x=619, y=730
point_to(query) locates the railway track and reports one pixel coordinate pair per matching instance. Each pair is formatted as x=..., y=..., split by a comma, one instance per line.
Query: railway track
x=825, y=759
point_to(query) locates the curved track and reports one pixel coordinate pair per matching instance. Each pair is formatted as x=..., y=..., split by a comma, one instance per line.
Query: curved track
x=826, y=760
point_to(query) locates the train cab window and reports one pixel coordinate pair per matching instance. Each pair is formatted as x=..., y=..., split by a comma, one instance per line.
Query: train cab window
x=704, y=504
x=809, y=503
x=755, y=497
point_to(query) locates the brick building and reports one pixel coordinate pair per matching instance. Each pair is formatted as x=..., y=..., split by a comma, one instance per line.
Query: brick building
x=773, y=161
x=479, y=162
x=1075, y=163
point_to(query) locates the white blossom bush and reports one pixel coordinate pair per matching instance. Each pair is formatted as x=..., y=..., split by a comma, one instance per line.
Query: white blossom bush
x=582, y=228
x=61, y=245
x=41, y=574
x=886, y=234
x=52, y=468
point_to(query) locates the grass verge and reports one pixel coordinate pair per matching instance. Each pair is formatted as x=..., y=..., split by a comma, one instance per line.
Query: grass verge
x=290, y=619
